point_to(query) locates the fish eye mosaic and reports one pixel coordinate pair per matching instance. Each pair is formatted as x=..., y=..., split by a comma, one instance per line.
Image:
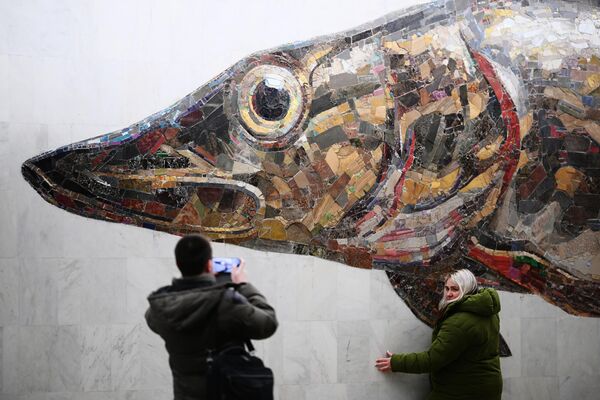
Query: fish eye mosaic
x=441, y=137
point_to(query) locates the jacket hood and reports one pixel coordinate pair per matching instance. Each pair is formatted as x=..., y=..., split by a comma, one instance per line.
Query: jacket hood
x=486, y=302
x=185, y=309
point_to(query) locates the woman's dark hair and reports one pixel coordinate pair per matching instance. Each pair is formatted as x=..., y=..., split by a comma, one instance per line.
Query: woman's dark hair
x=192, y=254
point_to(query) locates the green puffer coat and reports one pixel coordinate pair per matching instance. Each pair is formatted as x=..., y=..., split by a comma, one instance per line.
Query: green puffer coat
x=463, y=360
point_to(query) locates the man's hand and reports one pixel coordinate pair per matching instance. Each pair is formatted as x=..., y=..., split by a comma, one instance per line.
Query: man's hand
x=384, y=364
x=238, y=274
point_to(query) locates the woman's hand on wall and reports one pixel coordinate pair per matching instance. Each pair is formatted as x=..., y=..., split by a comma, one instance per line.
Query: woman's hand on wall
x=384, y=364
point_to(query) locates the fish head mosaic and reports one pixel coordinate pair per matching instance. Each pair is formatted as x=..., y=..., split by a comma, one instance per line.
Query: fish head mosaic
x=441, y=137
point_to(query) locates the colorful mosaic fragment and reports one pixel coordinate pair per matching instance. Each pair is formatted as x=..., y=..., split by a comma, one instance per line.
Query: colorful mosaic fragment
x=442, y=137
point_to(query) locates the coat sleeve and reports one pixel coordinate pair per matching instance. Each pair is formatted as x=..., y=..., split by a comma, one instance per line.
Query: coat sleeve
x=247, y=312
x=450, y=342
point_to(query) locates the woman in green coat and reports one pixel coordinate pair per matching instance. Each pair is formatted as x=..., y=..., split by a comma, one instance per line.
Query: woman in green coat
x=463, y=360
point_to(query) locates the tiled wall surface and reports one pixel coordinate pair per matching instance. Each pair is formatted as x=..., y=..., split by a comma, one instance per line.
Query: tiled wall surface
x=72, y=290
x=72, y=328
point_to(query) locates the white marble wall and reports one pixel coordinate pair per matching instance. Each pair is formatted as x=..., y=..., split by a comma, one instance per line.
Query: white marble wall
x=72, y=290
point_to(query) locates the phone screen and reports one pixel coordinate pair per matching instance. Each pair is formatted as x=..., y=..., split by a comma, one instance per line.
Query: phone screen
x=224, y=264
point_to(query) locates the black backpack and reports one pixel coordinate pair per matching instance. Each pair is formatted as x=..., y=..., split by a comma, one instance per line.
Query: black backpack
x=235, y=374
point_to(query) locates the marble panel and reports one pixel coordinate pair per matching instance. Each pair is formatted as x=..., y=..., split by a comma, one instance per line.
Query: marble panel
x=125, y=357
x=6, y=162
x=49, y=396
x=541, y=388
x=33, y=361
x=154, y=360
x=96, y=343
x=399, y=386
x=353, y=288
x=70, y=292
x=145, y=275
x=65, y=359
x=38, y=291
x=287, y=287
x=97, y=396
x=9, y=291
x=510, y=304
x=10, y=360
x=510, y=328
x=322, y=391
x=539, y=347
x=111, y=241
x=535, y=307
x=1, y=359
x=4, y=100
x=48, y=239
x=353, y=349
x=8, y=216
x=261, y=269
x=292, y=392
x=585, y=387
x=323, y=352
x=23, y=78
x=43, y=359
x=357, y=391
x=105, y=291
x=296, y=353
x=385, y=303
x=318, y=299
x=156, y=394
x=578, y=347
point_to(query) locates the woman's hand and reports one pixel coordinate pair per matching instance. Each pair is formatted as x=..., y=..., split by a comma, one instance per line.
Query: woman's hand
x=384, y=364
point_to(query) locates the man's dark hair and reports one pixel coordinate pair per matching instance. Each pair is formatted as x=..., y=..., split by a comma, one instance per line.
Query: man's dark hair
x=192, y=254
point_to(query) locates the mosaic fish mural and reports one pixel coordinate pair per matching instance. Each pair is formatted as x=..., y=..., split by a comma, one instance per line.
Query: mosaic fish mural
x=454, y=134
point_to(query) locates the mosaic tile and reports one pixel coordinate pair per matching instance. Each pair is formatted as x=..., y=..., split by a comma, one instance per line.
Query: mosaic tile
x=450, y=135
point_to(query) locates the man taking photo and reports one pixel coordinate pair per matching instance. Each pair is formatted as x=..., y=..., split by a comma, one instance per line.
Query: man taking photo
x=195, y=314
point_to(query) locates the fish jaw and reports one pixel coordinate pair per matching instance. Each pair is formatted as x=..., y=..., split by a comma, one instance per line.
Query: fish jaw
x=164, y=173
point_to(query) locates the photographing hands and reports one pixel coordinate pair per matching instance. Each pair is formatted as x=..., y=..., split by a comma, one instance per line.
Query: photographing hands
x=238, y=274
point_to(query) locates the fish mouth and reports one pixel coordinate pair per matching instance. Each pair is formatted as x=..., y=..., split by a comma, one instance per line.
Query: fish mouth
x=177, y=202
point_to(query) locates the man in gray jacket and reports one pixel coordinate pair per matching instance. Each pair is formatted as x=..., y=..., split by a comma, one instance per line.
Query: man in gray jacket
x=195, y=313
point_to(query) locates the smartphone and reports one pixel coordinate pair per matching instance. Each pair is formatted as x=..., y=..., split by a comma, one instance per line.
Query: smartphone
x=224, y=264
